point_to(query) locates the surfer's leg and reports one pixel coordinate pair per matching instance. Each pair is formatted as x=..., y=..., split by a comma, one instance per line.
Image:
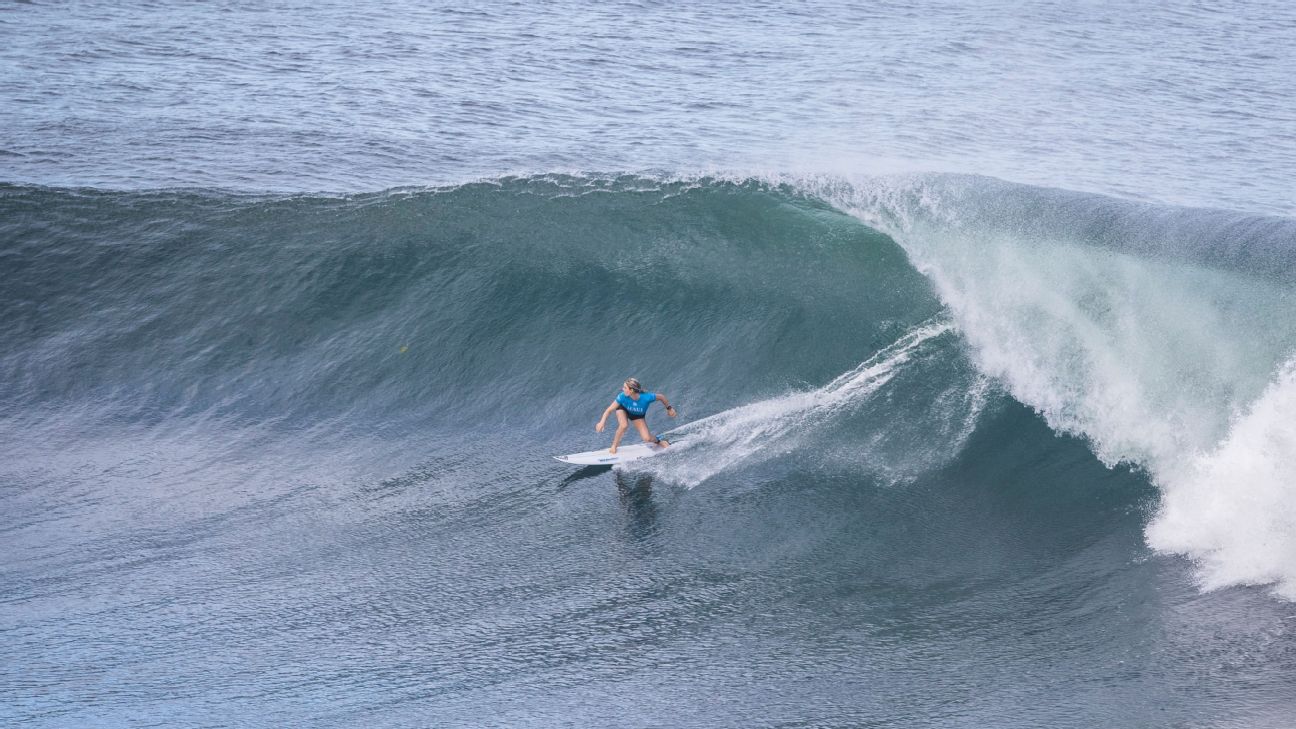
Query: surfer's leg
x=620, y=431
x=642, y=427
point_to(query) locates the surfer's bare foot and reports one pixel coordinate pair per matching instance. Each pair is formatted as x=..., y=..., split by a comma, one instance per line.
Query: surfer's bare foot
x=612, y=450
x=663, y=442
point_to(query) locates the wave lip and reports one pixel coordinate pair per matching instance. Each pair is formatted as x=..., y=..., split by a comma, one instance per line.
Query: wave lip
x=1163, y=336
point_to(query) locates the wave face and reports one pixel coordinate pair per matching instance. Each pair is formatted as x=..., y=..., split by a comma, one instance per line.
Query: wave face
x=921, y=416
x=434, y=306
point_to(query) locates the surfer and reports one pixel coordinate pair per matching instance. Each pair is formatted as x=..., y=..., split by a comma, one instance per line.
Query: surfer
x=630, y=406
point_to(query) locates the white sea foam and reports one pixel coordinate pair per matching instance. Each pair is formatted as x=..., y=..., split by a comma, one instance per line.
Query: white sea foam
x=1158, y=360
x=1234, y=508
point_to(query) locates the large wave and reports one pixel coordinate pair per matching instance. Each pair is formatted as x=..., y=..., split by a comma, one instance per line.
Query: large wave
x=852, y=324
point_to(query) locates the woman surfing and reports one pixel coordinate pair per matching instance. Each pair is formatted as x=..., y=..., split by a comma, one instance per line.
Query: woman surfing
x=630, y=406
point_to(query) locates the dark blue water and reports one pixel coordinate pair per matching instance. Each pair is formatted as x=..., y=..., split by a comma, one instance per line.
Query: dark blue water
x=953, y=450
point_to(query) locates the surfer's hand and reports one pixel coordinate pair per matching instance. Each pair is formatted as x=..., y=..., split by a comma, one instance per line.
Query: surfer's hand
x=598, y=428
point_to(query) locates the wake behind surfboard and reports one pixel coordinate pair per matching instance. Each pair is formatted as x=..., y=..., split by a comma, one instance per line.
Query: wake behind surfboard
x=624, y=454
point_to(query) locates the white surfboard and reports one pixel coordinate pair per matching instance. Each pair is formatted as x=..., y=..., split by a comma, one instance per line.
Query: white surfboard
x=624, y=454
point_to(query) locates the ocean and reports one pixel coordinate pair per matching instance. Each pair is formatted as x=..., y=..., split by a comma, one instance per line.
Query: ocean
x=980, y=319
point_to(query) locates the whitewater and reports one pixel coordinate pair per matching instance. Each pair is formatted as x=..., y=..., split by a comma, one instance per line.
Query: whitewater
x=980, y=319
x=1169, y=349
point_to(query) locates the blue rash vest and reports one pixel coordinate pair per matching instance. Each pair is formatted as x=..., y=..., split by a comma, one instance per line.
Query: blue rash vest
x=636, y=408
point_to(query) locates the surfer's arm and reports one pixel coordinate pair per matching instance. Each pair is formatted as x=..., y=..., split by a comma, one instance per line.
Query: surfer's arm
x=603, y=420
x=670, y=409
